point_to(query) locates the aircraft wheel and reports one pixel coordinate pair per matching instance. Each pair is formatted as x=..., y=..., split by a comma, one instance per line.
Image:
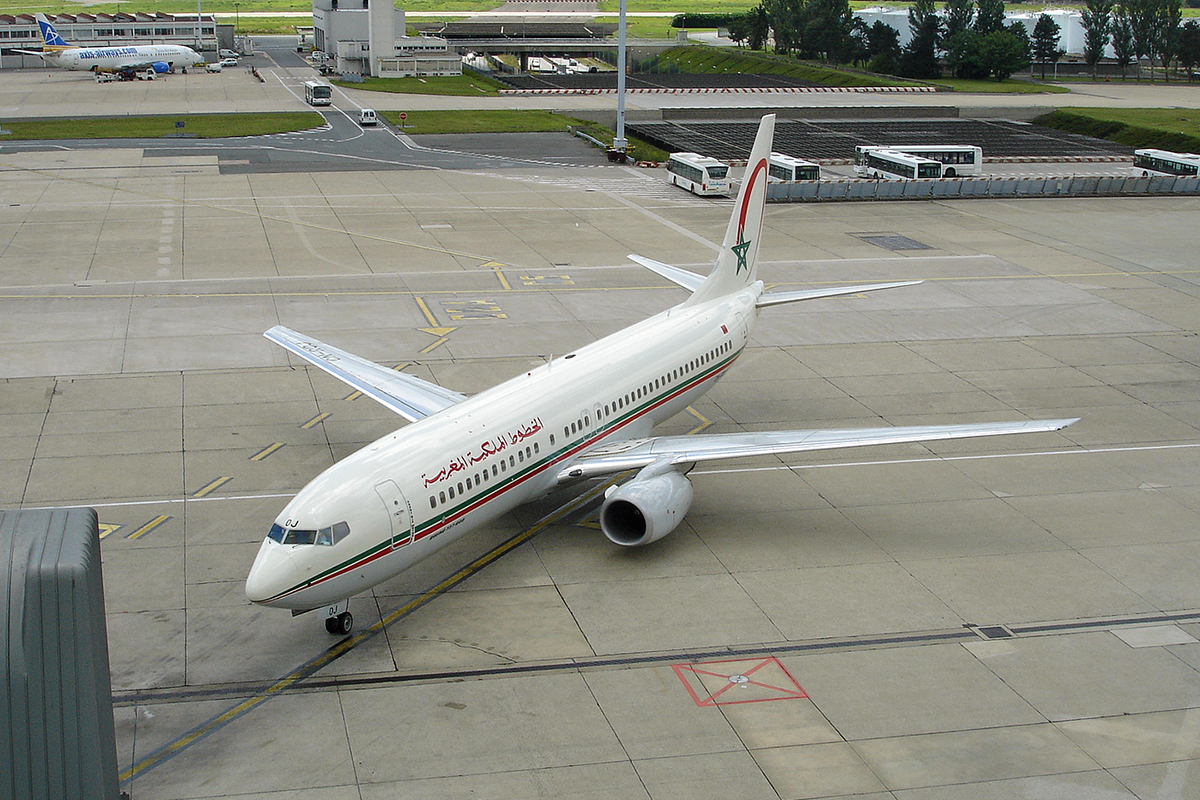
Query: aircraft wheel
x=341, y=625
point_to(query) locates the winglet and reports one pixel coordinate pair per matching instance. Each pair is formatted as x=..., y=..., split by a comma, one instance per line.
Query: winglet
x=737, y=262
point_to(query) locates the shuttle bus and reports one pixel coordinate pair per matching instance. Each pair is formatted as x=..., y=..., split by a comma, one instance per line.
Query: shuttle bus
x=787, y=168
x=957, y=159
x=698, y=174
x=1166, y=162
x=894, y=164
x=317, y=93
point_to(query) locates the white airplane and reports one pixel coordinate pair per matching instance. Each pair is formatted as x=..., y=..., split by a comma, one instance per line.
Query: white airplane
x=132, y=58
x=464, y=461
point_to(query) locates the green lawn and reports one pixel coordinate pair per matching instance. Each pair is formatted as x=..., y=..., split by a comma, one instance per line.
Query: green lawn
x=480, y=121
x=1176, y=129
x=202, y=126
x=459, y=85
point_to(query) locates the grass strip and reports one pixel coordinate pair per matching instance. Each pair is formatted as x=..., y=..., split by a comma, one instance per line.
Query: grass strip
x=200, y=126
x=505, y=121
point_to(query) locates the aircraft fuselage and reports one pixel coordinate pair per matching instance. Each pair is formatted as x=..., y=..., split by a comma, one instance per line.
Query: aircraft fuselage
x=419, y=488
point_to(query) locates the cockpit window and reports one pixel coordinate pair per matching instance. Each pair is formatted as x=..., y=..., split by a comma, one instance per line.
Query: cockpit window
x=325, y=536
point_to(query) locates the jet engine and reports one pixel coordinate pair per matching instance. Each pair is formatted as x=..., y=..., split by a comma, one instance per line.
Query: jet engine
x=162, y=67
x=645, y=509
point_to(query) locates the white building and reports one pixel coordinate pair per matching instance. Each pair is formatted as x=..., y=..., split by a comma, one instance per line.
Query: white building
x=364, y=41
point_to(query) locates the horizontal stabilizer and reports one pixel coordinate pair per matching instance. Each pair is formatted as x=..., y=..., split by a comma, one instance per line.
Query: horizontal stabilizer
x=777, y=298
x=684, y=450
x=688, y=280
x=407, y=395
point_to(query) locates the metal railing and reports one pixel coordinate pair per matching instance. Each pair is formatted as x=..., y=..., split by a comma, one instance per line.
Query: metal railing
x=950, y=188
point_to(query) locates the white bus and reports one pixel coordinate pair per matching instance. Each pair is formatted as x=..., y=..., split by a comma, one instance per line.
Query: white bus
x=317, y=93
x=698, y=174
x=894, y=164
x=956, y=159
x=1166, y=162
x=786, y=168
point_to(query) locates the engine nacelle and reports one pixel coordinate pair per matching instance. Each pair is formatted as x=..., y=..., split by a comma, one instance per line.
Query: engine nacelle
x=644, y=511
x=162, y=67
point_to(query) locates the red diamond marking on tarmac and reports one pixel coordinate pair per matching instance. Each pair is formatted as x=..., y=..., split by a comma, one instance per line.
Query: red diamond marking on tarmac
x=753, y=680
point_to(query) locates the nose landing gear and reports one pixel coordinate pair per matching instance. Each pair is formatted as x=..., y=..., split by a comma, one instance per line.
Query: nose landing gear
x=338, y=619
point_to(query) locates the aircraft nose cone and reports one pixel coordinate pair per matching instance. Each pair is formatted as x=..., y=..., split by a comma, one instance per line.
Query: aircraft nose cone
x=272, y=573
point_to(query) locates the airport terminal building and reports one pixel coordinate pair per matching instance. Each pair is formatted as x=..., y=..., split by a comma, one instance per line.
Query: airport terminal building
x=202, y=34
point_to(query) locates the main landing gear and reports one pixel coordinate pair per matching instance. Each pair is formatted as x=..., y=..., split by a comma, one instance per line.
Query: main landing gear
x=338, y=619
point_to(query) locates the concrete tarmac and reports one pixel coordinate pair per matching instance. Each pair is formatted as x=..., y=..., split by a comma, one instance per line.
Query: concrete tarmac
x=1013, y=617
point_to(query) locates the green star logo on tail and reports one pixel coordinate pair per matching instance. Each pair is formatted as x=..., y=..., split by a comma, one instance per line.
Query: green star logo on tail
x=739, y=250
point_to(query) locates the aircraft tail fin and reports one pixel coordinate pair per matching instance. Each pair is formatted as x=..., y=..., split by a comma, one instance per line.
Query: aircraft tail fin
x=737, y=263
x=51, y=40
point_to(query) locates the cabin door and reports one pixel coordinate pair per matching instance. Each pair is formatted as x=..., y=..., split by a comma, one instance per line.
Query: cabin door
x=398, y=512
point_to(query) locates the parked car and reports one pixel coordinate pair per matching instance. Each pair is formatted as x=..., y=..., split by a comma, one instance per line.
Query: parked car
x=212, y=66
x=227, y=53
x=229, y=62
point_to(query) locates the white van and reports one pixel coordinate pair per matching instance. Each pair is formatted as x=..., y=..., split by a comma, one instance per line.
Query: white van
x=367, y=116
x=228, y=53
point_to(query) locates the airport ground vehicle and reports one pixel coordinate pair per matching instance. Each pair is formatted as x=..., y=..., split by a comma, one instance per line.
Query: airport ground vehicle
x=698, y=174
x=367, y=116
x=1166, y=162
x=229, y=62
x=318, y=93
x=213, y=66
x=957, y=160
x=894, y=164
x=782, y=167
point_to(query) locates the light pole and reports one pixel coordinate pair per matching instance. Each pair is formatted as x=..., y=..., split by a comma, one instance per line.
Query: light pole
x=235, y=21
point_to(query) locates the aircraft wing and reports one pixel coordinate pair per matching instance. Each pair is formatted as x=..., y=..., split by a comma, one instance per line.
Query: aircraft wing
x=684, y=450
x=407, y=395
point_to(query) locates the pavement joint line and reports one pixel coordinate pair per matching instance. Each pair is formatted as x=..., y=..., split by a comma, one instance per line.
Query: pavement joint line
x=886, y=462
x=685, y=655
x=116, y=187
x=570, y=287
x=296, y=676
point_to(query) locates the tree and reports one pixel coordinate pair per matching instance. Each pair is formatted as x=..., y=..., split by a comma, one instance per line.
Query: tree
x=1189, y=47
x=758, y=28
x=1167, y=15
x=919, y=59
x=883, y=48
x=959, y=14
x=826, y=30
x=964, y=55
x=1045, y=42
x=1122, y=38
x=1005, y=51
x=1096, y=25
x=990, y=16
x=785, y=23
x=1141, y=25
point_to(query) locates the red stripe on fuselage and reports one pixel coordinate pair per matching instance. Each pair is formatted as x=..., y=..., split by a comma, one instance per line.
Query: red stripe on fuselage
x=583, y=445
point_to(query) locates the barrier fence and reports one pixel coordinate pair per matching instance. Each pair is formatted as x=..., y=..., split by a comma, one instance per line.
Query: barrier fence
x=948, y=188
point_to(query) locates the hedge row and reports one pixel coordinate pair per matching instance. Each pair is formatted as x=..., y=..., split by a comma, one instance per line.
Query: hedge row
x=1120, y=132
x=703, y=20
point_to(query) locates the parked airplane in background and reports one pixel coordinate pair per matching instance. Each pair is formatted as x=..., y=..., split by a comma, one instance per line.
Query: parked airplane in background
x=466, y=460
x=126, y=59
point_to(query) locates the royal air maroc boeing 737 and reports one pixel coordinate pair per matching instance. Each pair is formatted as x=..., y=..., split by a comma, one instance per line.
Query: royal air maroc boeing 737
x=464, y=461
x=130, y=58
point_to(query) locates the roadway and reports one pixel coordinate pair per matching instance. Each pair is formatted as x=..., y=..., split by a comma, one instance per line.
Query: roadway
x=1003, y=618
